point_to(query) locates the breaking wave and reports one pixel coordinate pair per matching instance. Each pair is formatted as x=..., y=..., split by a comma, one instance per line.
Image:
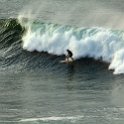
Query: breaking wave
x=98, y=43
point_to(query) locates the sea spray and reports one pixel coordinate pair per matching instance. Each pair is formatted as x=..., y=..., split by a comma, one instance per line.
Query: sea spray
x=83, y=42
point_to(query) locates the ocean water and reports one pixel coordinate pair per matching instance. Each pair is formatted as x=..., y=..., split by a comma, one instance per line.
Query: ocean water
x=35, y=88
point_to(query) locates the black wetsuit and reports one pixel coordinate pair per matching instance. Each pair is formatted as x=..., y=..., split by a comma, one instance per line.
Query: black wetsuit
x=70, y=54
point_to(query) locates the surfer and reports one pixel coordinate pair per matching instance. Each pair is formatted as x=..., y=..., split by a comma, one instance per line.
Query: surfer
x=69, y=55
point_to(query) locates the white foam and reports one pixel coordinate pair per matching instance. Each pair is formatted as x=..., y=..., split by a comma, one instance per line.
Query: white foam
x=53, y=118
x=95, y=42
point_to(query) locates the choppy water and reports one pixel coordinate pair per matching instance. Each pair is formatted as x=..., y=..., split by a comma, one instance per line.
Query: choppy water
x=35, y=88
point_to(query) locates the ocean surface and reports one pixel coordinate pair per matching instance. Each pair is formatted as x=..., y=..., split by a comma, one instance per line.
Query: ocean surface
x=35, y=88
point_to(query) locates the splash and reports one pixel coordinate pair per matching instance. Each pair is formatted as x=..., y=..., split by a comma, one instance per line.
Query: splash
x=98, y=43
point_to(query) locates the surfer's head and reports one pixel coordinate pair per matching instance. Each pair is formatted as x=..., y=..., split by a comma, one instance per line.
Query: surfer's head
x=67, y=50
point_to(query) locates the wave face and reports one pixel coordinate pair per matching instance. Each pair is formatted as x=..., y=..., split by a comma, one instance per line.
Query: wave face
x=97, y=43
x=10, y=42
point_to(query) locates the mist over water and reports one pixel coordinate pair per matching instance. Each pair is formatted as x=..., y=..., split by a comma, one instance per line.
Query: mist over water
x=80, y=13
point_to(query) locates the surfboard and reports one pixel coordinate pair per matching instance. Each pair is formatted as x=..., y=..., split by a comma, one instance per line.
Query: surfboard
x=65, y=61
